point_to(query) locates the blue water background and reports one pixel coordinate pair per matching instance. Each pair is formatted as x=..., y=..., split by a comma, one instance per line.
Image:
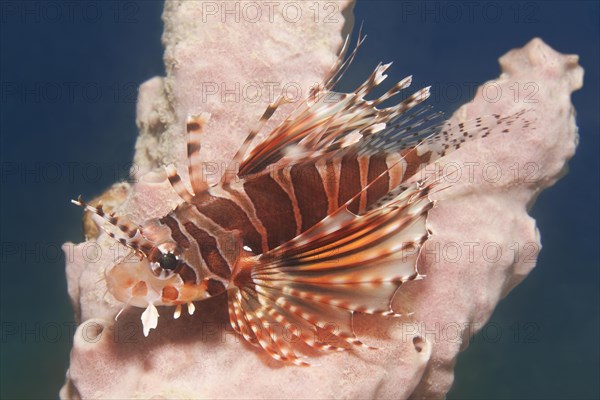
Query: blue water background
x=67, y=125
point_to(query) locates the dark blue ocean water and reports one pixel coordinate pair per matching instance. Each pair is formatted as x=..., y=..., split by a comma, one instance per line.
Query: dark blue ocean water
x=69, y=74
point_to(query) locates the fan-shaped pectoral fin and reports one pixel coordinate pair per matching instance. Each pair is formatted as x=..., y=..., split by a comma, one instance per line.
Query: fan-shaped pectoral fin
x=305, y=291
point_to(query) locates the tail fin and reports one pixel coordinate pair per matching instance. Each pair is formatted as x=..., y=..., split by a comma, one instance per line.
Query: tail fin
x=439, y=139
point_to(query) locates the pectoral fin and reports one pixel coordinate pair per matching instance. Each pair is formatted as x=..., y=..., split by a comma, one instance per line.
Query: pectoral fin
x=315, y=282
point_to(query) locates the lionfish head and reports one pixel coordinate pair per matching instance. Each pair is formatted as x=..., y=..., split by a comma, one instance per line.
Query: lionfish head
x=157, y=277
x=154, y=273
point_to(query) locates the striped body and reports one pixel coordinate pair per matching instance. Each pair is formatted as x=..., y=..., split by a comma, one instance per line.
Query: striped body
x=265, y=211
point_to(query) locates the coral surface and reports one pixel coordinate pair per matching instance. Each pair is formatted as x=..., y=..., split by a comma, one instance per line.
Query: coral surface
x=483, y=243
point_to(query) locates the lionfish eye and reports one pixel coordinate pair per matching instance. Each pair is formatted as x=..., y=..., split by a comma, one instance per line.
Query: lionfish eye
x=168, y=261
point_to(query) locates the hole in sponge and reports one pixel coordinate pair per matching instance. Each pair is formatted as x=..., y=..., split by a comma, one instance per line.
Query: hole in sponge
x=419, y=343
x=93, y=332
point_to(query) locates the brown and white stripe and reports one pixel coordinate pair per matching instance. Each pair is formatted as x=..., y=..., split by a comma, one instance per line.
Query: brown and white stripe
x=270, y=209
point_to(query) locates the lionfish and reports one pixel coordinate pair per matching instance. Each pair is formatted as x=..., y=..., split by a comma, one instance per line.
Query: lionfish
x=320, y=222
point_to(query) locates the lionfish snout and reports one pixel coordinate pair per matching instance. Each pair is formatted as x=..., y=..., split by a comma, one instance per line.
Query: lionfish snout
x=139, y=283
x=146, y=284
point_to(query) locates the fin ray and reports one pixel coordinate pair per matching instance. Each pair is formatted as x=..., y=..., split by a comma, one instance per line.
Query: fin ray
x=302, y=283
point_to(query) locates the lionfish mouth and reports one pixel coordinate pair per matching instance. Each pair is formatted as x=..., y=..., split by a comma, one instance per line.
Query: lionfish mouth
x=135, y=284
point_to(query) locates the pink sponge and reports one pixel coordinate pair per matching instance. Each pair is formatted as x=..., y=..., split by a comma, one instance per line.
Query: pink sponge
x=483, y=244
